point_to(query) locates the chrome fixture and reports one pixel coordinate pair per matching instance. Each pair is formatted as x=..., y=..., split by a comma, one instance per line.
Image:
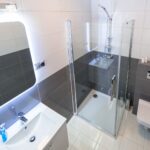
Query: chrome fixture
x=113, y=87
x=2, y=126
x=20, y=115
x=108, y=45
x=106, y=11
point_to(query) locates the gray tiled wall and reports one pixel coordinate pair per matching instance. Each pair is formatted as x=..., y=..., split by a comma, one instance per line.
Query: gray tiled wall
x=16, y=74
x=101, y=78
x=89, y=77
x=142, y=86
x=55, y=92
x=83, y=85
x=132, y=78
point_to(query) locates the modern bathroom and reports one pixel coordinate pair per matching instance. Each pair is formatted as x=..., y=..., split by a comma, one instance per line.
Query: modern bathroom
x=75, y=75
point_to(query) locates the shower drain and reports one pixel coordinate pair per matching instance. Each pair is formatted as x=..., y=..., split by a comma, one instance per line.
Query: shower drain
x=95, y=95
x=32, y=139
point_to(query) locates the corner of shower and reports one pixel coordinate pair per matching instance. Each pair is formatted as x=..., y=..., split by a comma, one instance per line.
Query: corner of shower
x=95, y=86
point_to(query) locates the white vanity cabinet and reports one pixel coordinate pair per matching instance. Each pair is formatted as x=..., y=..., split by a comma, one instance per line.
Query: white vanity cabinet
x=59, y=141
x=48, y=128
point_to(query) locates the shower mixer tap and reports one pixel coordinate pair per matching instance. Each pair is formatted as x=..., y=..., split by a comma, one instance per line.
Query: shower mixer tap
x=108, y=46
x=20, y=115
x=113, y=85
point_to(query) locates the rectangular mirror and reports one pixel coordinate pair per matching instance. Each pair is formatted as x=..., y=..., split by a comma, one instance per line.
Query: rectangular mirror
x=16, y=67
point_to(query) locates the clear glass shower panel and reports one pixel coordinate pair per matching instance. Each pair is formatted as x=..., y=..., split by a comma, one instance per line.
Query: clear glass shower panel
x=125, y=61
x=96, y=78
x=99, y=85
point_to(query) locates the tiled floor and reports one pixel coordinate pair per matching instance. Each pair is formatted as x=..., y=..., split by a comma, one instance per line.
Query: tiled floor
x=83, y=136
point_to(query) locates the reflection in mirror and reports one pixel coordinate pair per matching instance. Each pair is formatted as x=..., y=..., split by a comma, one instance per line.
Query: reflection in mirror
x=16, y=68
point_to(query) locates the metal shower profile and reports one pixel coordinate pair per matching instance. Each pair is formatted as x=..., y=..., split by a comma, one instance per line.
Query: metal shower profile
x=106, y=11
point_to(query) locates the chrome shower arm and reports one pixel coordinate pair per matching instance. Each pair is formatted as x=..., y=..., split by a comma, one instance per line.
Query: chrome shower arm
x=106, y=11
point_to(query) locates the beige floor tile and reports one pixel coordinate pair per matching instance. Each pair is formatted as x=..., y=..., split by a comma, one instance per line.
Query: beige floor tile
x=72, y=132
x=133, y=130
x=109, y=143
x=69, y=148
x=83, y=143
x=123, y=124
x=72, y=135
x=85, y=128
x=147, y=140
x=132, y=136
x=127, y=144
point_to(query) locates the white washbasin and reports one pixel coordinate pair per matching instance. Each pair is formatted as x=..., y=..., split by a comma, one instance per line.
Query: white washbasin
x=42, y=125
x=40, y=128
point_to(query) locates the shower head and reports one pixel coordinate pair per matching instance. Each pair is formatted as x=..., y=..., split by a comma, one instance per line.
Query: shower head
x=106, y=11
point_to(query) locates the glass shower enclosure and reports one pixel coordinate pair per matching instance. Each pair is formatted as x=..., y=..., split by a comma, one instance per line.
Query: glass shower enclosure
x=98, y=95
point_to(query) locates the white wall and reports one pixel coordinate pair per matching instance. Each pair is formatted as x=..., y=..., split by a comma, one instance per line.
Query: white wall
x=45, y=23
x=125, y=10
x=12, y=37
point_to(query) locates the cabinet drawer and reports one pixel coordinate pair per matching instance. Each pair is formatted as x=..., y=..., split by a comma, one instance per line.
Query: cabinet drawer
x=49, y=146
x=59, y=141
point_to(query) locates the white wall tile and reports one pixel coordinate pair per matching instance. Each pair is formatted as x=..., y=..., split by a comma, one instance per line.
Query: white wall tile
x=145, y=51
x=21, y=43
x=33, y=5
x=138, y=10
x=131, y=5
x=13, y=38
x=45, y=23
x=147, y=20
x=6, y=31
x=7, y=46
x=146, y=37
x=148, y=6
x=75, y=5
x=137, y=37
x=136, y=51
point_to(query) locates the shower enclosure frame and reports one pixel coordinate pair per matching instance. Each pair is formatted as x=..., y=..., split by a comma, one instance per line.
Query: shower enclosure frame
x=128, y=72
x=70, y=52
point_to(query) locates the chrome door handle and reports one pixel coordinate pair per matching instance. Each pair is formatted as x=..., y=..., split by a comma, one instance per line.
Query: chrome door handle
x=113, y=85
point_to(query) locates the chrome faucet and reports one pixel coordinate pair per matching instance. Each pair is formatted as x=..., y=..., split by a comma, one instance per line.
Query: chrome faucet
x=20, y=115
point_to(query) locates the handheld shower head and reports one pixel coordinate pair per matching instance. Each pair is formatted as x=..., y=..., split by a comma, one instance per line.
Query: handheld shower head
x=106, y=11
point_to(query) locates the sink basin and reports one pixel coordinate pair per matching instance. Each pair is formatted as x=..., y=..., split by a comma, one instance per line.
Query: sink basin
x=103, y=63
x=43, y=123
x=33, y=133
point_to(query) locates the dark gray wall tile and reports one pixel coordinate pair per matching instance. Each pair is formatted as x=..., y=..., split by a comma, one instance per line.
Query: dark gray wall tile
x=16, y=74
x=55, y=92
x=142, y=85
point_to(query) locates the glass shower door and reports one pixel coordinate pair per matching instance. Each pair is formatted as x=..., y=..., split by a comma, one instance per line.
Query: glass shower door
x=124, y=72
x=94, y=78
